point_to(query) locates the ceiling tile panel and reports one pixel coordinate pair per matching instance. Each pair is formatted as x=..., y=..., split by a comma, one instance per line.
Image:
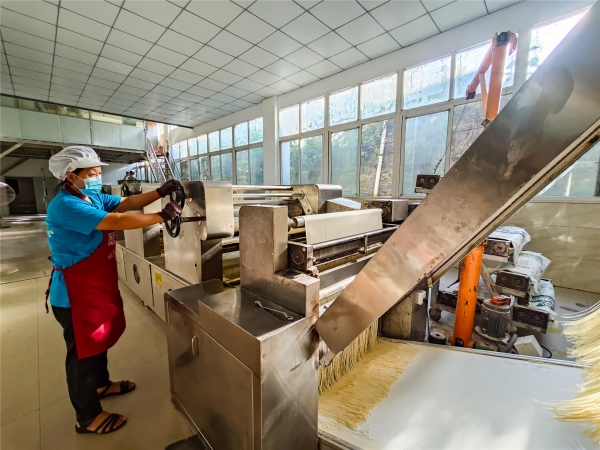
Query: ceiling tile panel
x=212, y=56
x=458, y=13
x=241, y=68
x=329, y=45
x=323, y=69
x=75, y=66
x=285, y=86
x=188, y=77
x=79, y=41
x=27, y=40
x=20, y=22
x=305, y=29
x=166, y=56
x=181, y=102
x=213, y=85
x=432, y=5
x=56, y=80
x=162, y=13
x=334, y=14
x=263, y=77
x=88, y=103
x=258, y=57
x=415, y=31
x=393, y=14
x=200, y=91
x=43, y=11
x=302, y=58
x=114, y=66
x=70, y=75
x=29, y=82
x=132, y=90
x=379, y=46
x=220, y=97
x=253, y=98
x=220, y=12
x=179, y=43
x=126, y=96
x=101, y=85
x=232, y=91
x=349, y=58
x=280, y=44
x=82, y=25
x=282, y=68
x=276, y=13
x=27, y=53
x=138, y=26
x=370, y=4
x=267, y=92
x=229, y=43
x=158, y=96
x=250, y=28
x=108, y=75
x=120, y=55
x=186, y=96
x=156, y=67
x=248, y=85
x=242, y=103
x=302, y=78
x=120, y=101
x=495, y=5
x=30, y=92
x=175, y=84
x=198, y=67
x=360, y=30
x=166, y=91
x=95, y=10
x=75, y=54
x=307, y=4
x=136, y=82
x=128, y=42
x=63, y=99
x=195, y=27
x=65, y=89
x=225, y=77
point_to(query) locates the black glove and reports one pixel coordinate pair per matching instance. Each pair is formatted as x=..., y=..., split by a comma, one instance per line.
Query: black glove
x=166, y=188
x=170, y=211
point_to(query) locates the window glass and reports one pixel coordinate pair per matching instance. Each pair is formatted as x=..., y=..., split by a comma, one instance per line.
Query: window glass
x=97, y=116
x=424, y=148
x=466, y=126
x=312, y=114
x=378, y=97
x=175, y=151
x=545, y=38
x=227, y=166
x=343, y=106
x=185, y=170
x=242, y=167
x=290, y=162
x=344, y=160
x=213, y=142
x=256, y=166
x=289, y=121
x=178, y=169
x=10, y=102
x=203, y=168
x=427, y=83
x=241, y=134
x=256, y=130
x=581, y=179
x=202, y=144
x=311, y=160
x=376, y=158
x=226, y=138
x=467, y=63
x=193, y=146
x=183, y=149
x=194, y=173
x=215, y=168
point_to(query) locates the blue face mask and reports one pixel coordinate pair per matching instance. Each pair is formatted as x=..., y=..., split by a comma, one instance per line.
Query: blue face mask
x=93, y=185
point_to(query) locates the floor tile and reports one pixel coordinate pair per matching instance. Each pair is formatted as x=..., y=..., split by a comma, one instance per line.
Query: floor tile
x=22, y=433
x=53, y=382
x=20, y=385
x=18, y=336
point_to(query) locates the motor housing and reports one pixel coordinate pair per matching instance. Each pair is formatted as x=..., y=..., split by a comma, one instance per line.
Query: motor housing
x=494, y=318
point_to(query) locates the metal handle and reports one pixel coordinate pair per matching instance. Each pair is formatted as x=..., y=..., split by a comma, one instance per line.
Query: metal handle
x=275, y=312
x=195, y=351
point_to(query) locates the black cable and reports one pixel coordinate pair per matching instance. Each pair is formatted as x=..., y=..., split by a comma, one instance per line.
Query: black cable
x=547, y=351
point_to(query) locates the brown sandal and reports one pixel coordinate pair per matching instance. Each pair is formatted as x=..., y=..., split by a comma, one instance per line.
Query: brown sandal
x=107, y=425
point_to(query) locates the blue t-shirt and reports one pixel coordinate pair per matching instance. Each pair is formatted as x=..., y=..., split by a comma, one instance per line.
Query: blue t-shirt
x=72, y=236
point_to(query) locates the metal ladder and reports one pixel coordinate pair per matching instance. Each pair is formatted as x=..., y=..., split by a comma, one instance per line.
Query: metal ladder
x=162, y=167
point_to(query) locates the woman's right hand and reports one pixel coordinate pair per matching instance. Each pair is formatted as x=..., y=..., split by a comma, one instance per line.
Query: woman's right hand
x=170, y=211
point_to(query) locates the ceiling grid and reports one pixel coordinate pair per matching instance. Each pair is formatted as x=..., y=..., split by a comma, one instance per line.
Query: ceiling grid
x=190, y=62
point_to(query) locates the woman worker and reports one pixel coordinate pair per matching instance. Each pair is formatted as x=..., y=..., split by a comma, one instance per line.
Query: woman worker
x=84, y=291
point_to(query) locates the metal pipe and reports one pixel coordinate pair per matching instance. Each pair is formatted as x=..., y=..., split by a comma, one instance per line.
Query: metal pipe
x=266, y=195
x=244, y=187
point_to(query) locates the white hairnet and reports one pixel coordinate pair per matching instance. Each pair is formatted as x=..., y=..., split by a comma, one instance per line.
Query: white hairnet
x=71, y=158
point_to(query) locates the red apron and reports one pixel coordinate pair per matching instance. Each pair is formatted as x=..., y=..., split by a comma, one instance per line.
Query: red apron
x=96, y=304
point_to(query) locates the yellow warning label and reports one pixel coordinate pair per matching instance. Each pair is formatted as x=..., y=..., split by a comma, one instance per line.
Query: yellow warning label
x=158, y=278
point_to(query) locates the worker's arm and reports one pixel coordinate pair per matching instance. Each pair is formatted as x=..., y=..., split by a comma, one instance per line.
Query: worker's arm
x=121, y=221
x=136, y=202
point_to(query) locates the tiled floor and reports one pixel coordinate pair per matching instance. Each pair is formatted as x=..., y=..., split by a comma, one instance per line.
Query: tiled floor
x=35, y=411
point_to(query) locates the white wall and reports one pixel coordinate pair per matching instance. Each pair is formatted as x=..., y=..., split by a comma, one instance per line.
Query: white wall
x=519, y=18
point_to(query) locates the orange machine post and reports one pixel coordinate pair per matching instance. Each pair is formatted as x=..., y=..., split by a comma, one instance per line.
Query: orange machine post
x=467, y=298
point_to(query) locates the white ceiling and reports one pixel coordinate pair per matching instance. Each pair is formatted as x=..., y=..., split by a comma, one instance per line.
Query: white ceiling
x=189, y=62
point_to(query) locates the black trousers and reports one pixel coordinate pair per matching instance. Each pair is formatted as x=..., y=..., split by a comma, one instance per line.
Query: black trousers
x=84, y=376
